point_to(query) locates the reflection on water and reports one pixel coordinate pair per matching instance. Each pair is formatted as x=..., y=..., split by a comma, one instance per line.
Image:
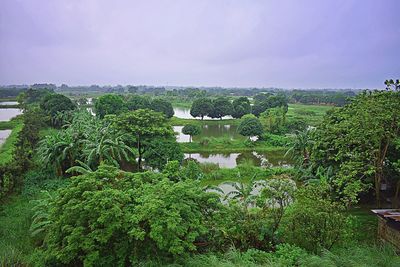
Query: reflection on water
x=91, y=111
x=218, y=130
x=231, y=160
x=7, y=113
x=184, y=113
x=3, y=135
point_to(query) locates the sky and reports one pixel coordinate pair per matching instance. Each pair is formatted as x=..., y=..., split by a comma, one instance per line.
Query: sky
x=266, y=43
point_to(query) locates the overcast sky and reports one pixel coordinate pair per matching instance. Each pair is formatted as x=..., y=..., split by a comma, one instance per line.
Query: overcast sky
x=298, y=43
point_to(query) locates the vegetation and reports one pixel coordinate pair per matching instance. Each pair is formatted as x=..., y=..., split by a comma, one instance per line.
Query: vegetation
x=250, y=126
x=114, y=189
x=191, y=130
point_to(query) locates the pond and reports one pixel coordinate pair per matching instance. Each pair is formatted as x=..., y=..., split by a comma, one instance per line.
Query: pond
x=8, y=103
x=231, y=160
x=184, y=113
x=3, y=135
x=7, y=113
x=215, y=130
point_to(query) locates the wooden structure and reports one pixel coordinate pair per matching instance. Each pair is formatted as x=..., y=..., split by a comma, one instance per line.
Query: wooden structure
x=389, y=226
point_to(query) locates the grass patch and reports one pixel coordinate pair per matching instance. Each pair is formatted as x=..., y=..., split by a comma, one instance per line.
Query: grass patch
x=174, y=121
x=15, y=242
x=311, y=114
x=220, y=145
x=7, y=148
x=11, y=124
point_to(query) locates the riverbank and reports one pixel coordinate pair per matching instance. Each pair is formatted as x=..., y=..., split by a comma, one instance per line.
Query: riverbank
x=7, y=148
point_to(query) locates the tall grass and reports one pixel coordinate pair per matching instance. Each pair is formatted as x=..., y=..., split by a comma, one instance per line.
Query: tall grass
x=7, y=148
x=15, y=241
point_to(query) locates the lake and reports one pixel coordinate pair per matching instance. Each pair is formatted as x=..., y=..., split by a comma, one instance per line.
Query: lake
x=231, y=160
x=7, y=113
x=215, y=130
x=184, y=113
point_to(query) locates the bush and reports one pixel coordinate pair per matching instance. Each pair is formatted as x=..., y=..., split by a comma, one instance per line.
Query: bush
x=314, y=222
x=110, y=217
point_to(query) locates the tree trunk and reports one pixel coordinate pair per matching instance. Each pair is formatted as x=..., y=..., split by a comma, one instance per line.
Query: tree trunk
x=190, y=138
x=396, y=196
x=379, y=170
x=140, y=152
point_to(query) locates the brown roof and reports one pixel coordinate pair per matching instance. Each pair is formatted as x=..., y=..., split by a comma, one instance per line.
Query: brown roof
x=393, y=214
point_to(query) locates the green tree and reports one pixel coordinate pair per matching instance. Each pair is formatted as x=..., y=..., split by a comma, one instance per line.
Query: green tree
x=159, y=151
x=191, y=130
x=161, y=105
x=135, y=102
x=250, y=126
x=221, y=107
x=109, y=104
x=201, y=107
x=144, y=125
x=263, y=102
x=56, y=104
x=241, y=106
x=356, y=139
x=274, y=119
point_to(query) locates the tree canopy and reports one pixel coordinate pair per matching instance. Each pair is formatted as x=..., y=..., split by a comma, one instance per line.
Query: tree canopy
x=201, y=107
x=109, y=104
x=241, y=106
x=250, y=126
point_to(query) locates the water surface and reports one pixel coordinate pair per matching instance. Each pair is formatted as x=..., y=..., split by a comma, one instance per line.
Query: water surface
x=8, y=103
x=214, y=130
x=231, y=160
x=3, y=135
x=7, y=113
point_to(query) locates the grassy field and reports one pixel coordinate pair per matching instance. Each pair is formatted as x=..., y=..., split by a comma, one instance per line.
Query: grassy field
x=226, y=145
x=311, y=114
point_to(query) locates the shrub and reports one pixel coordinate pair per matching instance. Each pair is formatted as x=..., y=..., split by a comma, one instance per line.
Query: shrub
x=314, y=222
x=110, y=217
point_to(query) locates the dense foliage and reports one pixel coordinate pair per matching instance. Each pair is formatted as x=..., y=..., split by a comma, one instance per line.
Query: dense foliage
x=118, y=192
x=250, y=126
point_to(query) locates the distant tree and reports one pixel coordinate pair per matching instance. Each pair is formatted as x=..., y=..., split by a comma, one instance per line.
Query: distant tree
x=82, y=101
x=32, y=96
x=262, y=102
x=250, y=126
x=109, y=104
x=241, y=106
x=191, y=130
x=144, y=125
x=273, y=119
x=221, y=107
x=135, y=102
x=161, y=105
x=54, y=104
x=201, y=107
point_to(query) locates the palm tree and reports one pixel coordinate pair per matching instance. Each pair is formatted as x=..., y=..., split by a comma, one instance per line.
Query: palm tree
x=82, y=169
x=300, y=149
x=243, y=191
x=106, y=145
x=56, y=149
